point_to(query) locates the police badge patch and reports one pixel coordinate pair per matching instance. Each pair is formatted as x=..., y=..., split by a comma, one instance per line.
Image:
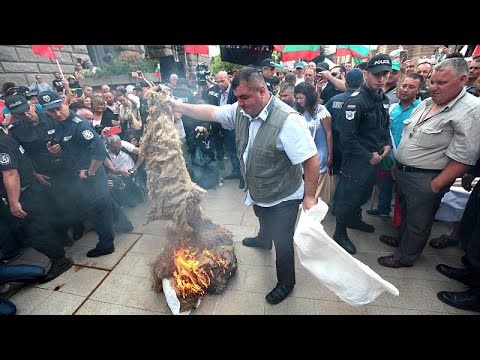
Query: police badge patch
x=87, y=134
x=4, y=159
x=349, y=115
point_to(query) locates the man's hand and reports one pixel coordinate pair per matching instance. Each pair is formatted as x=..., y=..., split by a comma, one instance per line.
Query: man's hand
x=308, y=202
x=434, y=186
x=104, y=132
x=376, y=158
x=82, y=174
x=467, y=181
x=54, y=149
x=386, y=150
x=17, y=211
x=42, y=179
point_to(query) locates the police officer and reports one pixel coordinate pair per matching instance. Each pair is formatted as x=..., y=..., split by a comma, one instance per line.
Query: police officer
x=29, y=204
x=365, y=138
x=353, y=81
x=32, y=129
x=84, y=153
x=268, y=69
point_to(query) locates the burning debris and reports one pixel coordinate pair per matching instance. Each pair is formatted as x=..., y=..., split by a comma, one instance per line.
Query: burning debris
x=199, y=256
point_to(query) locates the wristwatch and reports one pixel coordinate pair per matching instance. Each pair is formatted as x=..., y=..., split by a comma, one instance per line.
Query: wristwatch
x=88, y=176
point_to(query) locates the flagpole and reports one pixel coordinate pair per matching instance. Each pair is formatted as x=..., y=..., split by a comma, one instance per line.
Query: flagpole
x=59, y=68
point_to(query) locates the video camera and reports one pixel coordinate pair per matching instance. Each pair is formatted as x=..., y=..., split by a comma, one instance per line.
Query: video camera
x=202, y=73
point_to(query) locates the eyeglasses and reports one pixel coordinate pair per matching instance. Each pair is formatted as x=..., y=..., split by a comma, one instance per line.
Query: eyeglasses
x=39, y=78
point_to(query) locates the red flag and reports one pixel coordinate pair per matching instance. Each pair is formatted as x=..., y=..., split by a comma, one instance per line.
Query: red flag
x=46, y=50
x=476, y=52
x=196, y=49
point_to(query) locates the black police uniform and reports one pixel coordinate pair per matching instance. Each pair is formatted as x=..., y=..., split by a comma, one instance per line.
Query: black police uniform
x=364, y=129
x=213, y=98
x=80, y=144
x=37, y=225
x=34, y=140
x=267, y=82
x=334, y=107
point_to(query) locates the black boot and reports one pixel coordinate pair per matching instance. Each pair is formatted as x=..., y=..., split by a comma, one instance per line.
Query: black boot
x=341, y=237
x=58, y=267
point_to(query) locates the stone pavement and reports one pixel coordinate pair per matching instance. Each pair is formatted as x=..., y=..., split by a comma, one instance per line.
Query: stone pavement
x=119, y=283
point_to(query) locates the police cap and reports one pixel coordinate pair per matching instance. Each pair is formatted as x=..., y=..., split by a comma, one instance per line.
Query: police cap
x=49, y=100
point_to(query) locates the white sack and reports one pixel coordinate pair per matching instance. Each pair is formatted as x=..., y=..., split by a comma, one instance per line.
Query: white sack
x=351, y=280
x=172, y=300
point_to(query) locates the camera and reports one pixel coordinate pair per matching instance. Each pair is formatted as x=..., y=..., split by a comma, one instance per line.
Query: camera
x=202, y=73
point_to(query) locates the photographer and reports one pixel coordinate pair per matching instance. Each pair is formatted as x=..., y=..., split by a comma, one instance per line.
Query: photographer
x=204, y=167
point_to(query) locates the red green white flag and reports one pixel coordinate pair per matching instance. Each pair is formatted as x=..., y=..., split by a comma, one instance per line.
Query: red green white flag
x=356, y=51
x=157, y=72
x=295, y=52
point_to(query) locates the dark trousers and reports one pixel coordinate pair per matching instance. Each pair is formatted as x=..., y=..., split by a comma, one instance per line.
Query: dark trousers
x=231, y=150
x=93, y=198
x=11, y=238
x=469, y=234
x=354, y=188
x=277, y=223
x=418, y=206
x=39, y=224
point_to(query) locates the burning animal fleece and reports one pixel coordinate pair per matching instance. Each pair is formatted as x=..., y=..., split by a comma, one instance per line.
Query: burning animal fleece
x=199, y=255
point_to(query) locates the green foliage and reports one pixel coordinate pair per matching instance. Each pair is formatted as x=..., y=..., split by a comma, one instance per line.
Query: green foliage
x=124, y=67
x=216, y=65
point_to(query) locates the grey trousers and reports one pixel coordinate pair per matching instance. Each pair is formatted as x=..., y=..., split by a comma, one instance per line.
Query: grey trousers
x=418, y=204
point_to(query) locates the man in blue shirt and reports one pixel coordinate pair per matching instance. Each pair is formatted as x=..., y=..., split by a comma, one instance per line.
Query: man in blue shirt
x=84, y=153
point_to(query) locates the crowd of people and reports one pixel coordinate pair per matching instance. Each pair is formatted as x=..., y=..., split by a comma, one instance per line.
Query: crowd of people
x=292, y=137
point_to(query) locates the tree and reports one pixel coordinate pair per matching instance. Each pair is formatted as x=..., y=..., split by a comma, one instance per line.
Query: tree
x=216, y=65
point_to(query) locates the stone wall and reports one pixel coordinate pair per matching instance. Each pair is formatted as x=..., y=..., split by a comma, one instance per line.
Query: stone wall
x=19, y=64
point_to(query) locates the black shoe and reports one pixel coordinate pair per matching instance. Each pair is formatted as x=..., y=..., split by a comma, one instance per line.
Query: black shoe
x=256, y=242
x=232, y=176
x=57, y=268
x=465, y=300
x=461, y=275
x=241, y=184
x=99, y=252
x=5, y=259
x=377, y=212
x=362, y=226
x=443, y=241
x=277, y=295
x=342, y=239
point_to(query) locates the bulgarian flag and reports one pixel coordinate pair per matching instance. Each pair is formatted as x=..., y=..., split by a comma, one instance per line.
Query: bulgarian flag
x=356, y=51
x=157, y=72
x=395, y=54
x=196, y=49
x=294, y=52
x=46, y=50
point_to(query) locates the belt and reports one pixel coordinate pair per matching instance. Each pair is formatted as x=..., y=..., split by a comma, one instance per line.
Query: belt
x=406, y=168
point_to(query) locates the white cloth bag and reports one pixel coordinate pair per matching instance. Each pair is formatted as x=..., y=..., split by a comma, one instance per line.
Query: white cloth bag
x=351, y=280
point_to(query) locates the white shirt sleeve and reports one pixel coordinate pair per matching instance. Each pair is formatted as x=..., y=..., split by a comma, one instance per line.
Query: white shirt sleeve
x=295, y=139
x=225, y=115
x=128, y=146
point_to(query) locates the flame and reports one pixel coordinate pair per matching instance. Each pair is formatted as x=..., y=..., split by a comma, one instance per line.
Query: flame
x=189, y=275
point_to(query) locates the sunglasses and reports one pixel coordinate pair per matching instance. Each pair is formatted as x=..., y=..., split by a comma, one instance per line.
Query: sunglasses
x=334, y=74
